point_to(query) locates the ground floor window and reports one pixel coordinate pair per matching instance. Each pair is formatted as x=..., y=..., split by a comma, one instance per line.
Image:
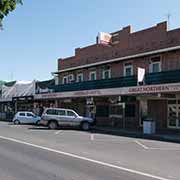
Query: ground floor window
x=174, y=114
x=116, y=110
x=102, y=111
x=130, y=110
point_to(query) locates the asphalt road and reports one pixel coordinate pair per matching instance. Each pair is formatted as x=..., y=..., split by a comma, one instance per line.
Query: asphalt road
x=28, y=152
x=21, y=162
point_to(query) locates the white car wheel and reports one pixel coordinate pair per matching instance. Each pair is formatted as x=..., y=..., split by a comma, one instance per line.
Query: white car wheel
x=53, y=125
x=85, y=126
x=16, y=122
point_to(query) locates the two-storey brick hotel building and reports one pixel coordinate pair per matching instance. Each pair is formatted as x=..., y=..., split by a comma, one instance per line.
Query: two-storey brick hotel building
x=101, y=81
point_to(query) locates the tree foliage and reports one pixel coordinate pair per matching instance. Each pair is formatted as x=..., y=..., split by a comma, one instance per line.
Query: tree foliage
x=6, y=6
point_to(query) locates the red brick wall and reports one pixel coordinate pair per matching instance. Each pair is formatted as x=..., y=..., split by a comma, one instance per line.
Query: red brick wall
x=153, y=38
x=169, y=60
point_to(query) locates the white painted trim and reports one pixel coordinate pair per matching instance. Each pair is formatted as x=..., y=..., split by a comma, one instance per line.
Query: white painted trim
x=128, y=66
x=119, y=59
x=80, y=75
x=151, y=66
x=90, y=73
x=104, y=71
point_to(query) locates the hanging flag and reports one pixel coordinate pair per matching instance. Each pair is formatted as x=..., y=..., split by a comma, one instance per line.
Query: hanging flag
x=141, y=74
x=104, y=38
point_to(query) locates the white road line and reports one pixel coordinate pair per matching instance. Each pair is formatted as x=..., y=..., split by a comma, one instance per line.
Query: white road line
x=165, y=149
x=140, y=144
x=92, y=137
x=16, y=126
x=57, y=132
x=85, y=159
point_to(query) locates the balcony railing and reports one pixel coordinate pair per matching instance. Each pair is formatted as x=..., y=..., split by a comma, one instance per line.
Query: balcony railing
x=151, y=78
x=163, y=77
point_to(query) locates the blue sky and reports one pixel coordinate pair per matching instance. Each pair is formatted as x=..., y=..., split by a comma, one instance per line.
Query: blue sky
x=36, y=34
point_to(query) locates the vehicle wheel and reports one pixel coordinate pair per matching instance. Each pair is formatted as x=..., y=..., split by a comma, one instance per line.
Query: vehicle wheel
x=53, y=125
x=85, y=126
x=16, y=122
x=38, y=123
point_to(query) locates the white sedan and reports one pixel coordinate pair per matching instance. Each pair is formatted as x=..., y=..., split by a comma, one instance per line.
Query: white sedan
x=26, y=118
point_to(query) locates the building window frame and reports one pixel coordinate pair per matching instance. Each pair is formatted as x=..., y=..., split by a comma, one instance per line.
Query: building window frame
x=106, y=70
x=90, y=75
x=65, y=81
x=155, y=61
x=128, y=66
x=81, y=77
x=70, y=78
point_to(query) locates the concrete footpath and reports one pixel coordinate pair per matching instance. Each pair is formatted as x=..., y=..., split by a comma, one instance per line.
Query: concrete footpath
x=161, y=136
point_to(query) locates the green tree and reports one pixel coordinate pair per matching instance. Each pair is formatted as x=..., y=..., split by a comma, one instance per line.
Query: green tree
x=6, y=6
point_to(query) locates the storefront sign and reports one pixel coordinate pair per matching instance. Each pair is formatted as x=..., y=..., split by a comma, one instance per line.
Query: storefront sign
x=154, y=89
x=149, y=89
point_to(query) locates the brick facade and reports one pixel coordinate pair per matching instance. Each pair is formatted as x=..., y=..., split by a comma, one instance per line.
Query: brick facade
x=124, y=44
x=150, y=39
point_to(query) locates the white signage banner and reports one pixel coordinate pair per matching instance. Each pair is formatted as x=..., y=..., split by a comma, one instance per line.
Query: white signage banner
x=141, y=74
x=104, y=38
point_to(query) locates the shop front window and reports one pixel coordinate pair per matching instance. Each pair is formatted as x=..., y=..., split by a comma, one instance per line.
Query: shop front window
x=173, y=114
x=102, y=111
x=130, y=110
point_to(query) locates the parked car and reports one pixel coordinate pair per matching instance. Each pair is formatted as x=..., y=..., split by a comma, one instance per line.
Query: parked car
x=55, y=117
x=26, y=118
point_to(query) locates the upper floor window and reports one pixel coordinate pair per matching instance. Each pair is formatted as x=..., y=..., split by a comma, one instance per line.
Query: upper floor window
x=79, y=77
x=70, y=78
x=128, y=69
x=92, y=75
x=155, y=65
x=106, y=73
x=65, y=80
